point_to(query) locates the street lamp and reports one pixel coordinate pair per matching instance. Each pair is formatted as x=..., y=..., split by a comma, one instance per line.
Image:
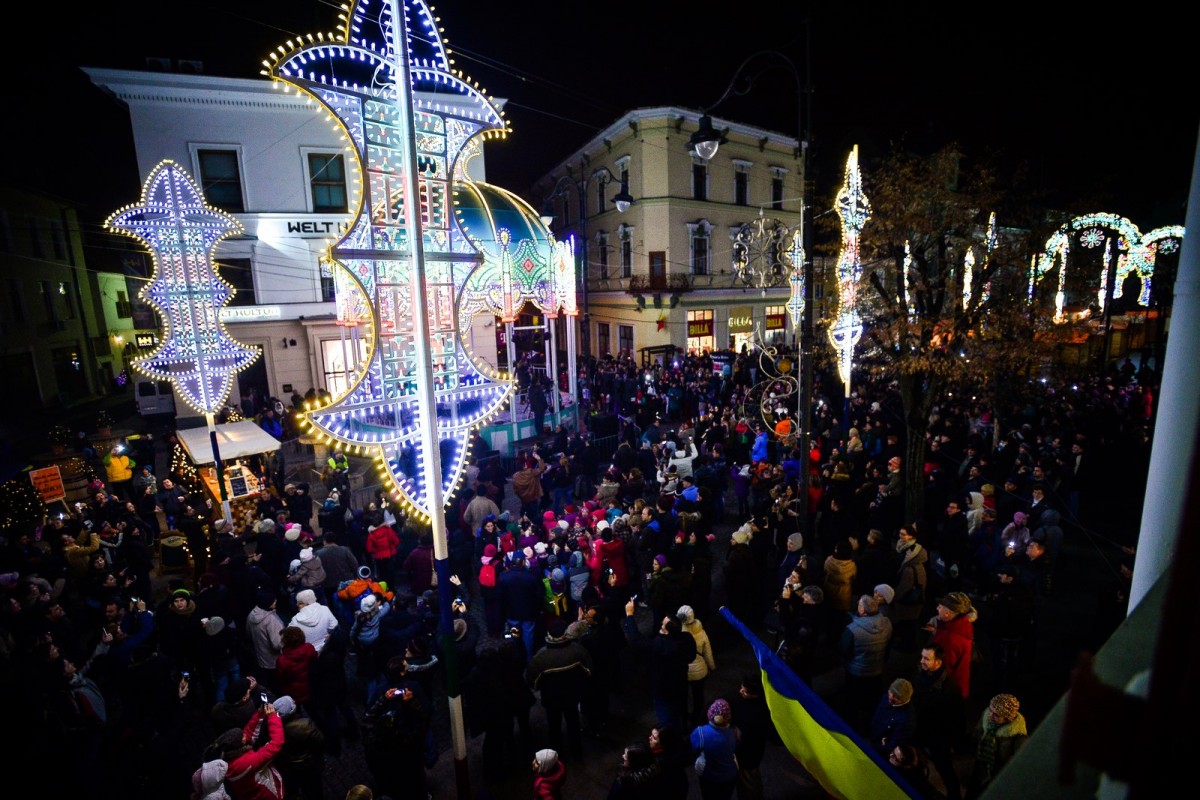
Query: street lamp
x=705, y=142
x=622, y=200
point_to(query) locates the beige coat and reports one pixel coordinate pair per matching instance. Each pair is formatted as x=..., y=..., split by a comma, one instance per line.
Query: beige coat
x=703, y=663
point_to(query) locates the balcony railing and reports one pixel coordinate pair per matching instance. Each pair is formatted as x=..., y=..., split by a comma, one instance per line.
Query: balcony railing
x=674, y=283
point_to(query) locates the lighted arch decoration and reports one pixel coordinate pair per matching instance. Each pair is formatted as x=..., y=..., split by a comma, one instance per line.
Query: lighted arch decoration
x=466, y=226
x=1137, y=253
x=854, y=210
x=197, y=354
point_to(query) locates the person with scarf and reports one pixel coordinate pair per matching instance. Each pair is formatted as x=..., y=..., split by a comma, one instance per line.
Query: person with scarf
x=999, y=734
x=953, y=627
x=910, y=585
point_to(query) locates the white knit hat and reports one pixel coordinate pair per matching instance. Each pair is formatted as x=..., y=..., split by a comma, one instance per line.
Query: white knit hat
x=306, y=554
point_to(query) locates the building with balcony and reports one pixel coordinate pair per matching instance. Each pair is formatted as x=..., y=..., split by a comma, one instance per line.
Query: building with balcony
x=270, y=159
x=662, y=272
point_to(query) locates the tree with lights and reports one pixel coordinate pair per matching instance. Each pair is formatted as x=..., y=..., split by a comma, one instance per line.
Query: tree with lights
x=944, y=301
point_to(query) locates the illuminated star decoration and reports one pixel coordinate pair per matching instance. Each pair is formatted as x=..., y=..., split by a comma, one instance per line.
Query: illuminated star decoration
x=1138, y=252
x=854, y=209
x=484, y=249
x=197, y=354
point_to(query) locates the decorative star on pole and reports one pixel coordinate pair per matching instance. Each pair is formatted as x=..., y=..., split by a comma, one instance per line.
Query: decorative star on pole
x=854, y=209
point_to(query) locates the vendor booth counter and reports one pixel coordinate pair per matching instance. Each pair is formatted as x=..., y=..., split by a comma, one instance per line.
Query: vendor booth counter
x=235, y=440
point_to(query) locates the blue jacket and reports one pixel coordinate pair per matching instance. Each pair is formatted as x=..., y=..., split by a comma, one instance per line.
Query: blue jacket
x=717, y=745
x=759, y=451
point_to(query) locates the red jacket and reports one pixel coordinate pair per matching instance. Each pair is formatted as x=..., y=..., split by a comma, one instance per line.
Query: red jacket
x=252, y=776
x=291, y=672
x=382, y=543
x=614, y=556
x=957, y=638
x=550, y=785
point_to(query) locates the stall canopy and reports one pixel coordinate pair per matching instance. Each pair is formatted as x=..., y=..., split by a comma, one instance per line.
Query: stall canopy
x=234, y=440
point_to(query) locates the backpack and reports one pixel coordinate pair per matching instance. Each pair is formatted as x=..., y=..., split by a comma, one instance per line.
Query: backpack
x=487, y=574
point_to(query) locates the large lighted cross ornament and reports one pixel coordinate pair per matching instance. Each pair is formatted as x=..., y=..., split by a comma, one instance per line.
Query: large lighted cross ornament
x=384, y=79
x=180, y=230
x=197, y=355
x=854, y=209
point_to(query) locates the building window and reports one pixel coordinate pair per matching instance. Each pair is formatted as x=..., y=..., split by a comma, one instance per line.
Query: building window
x=237, y=272
x=340, y=364
x=35, y=239
x=601, y=185
x=699, y=179
x=328, y=284
x=327, y=177
x=700, y=333
x=602, y=338
x=602, y=254
x=48, y=301
x=625, y=339
x=124, y=307
x=626, y=251
x=221, y=179
x=58, y=241
x=741, y=182
x=700, y=236
x=777, y=187
x=776, y=324
x=17, y=295
x=66, y=290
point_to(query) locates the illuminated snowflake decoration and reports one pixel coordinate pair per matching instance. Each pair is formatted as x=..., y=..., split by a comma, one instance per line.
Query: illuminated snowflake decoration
x=197, y=354
x=1091, y=238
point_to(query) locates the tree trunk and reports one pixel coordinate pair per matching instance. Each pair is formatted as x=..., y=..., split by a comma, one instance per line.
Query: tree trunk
x=917, y=391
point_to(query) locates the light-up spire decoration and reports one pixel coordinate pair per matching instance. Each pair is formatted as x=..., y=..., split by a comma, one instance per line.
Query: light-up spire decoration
x=968, y=274
x=854, y=209
x=197, y=355
x=1137, y=254
x=483, y=250
x=795, y=303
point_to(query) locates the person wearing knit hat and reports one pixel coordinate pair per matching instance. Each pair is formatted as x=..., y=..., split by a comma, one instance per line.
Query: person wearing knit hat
x=540, y=548
x=549, y=775
x=602, y=526
x=884, y=595
x=1000, y=732
x=715, y=743
x=743, y=535
x=953, y=628
x=368, y=603
x=489, y=552
x=306, y=554
x=284, y=705
x=213, y=625
x=894, y=722
x=292, y=532
x=208, y=782
x=265, y=599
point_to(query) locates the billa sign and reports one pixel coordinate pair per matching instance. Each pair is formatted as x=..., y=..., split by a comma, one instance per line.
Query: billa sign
x=700, y=327
x=49, y=484
x=741, y=319
x=776, y=322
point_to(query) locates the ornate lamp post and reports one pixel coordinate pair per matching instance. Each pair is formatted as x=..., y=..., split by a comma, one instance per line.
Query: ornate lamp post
x=622, y=200
x=770, y=270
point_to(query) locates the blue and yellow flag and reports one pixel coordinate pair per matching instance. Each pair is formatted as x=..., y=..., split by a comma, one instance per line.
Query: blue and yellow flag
x=829, y=749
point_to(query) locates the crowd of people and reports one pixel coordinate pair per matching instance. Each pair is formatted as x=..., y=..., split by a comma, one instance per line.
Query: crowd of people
x=315, y=628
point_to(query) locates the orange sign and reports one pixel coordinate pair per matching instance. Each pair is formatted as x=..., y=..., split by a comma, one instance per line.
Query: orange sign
x=49, y=484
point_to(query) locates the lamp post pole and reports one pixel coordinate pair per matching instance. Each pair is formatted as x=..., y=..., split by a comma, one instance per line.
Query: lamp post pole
x=622, y=200
x=705, y=142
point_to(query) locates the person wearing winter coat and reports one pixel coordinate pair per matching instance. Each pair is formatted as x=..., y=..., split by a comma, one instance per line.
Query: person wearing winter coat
x=313, y=618
x=702, y=664
x=549, y=775
x=841, y=571
x=910, y=586
x=715, y=745
x=301, y=761
x=759, y=450
x=894, y=722
x=251, y=775
x=264, y=627
x=953, y=627
x=294, y=664
x=999, y=734
x=208, y=782
x=382, y=545
x=863, y=646
x=311, y=574
x=419, y=566
x=639, y=777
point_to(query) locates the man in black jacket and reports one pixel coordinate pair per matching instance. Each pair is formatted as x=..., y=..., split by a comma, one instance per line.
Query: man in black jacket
x=668, y=655
x=521, y=596
x=754, y=722
x=559, y=673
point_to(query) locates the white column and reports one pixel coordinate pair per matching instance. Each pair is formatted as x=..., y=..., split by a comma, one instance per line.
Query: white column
x=1178, y=411
x=573, y=370
x=553, y=323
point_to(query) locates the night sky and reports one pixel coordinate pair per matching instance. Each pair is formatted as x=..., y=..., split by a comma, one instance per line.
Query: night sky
x=1092, y=117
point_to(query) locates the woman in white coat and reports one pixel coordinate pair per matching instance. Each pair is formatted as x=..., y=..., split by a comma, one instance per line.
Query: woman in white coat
x=701, y=665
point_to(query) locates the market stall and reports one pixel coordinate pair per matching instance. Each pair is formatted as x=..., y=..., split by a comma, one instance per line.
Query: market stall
x=237, y=443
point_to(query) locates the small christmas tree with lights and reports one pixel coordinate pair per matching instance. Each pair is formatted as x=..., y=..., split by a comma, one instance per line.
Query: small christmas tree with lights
x=21, y=507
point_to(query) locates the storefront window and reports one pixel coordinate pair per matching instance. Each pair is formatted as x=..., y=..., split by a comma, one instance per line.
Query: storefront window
x=776, y=327
x=339, y=364
x=741, y=328
x=700, y=331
